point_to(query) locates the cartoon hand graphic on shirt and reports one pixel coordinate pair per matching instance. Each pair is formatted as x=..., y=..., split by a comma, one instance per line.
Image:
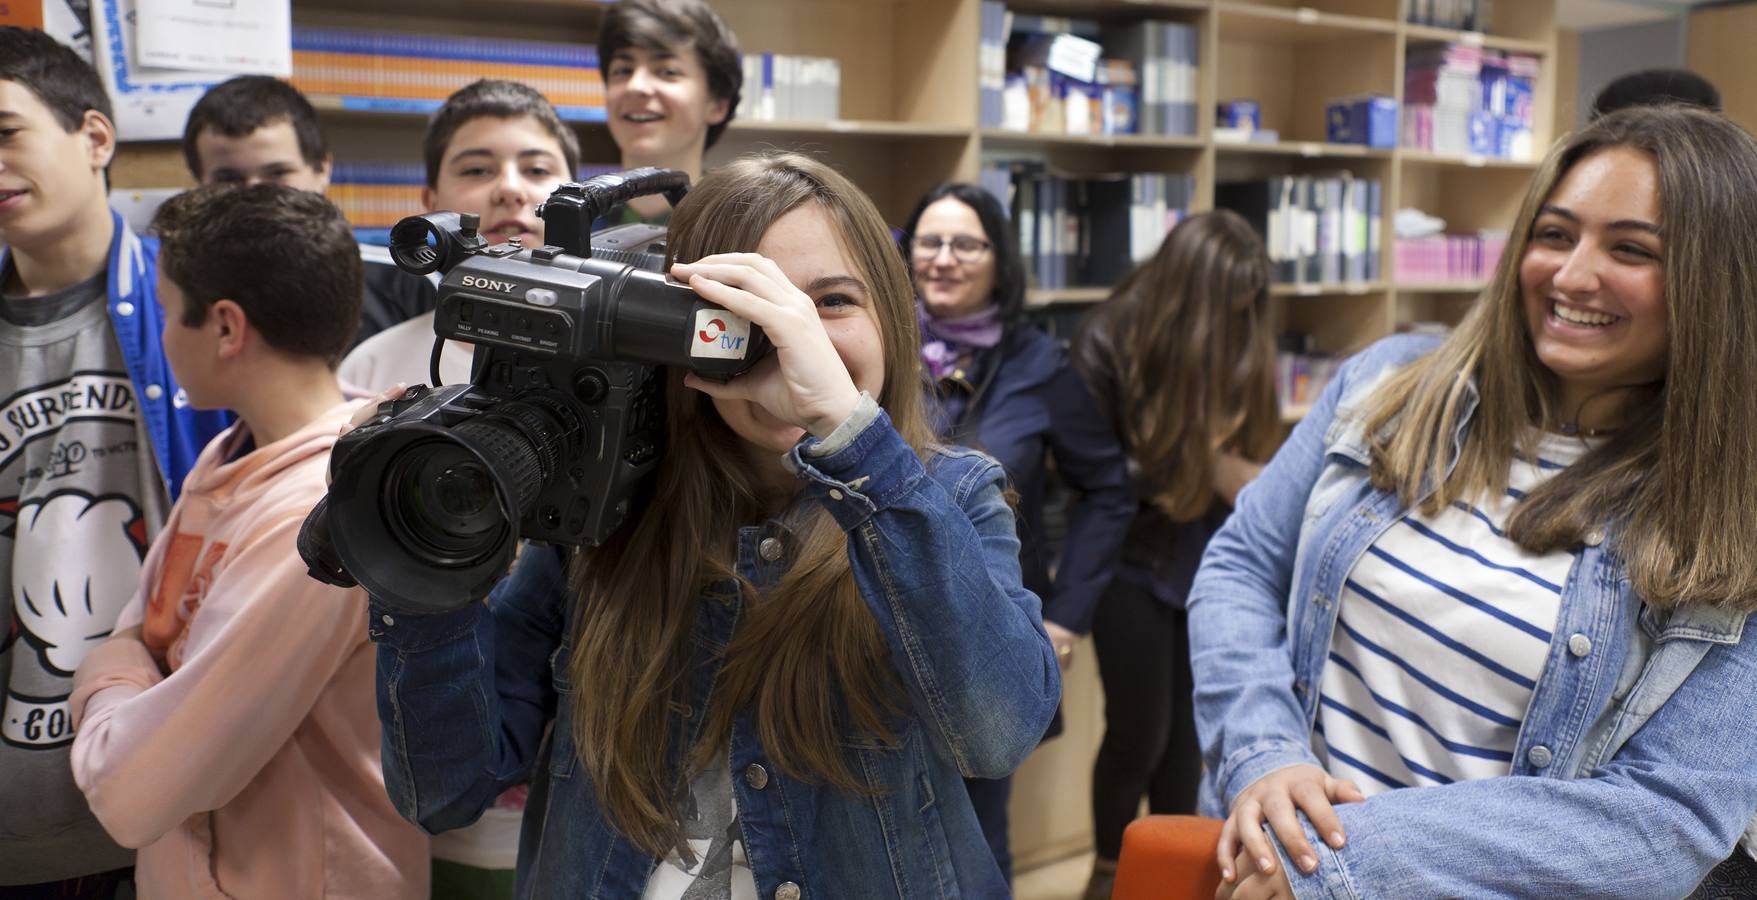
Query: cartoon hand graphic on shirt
x=65, y=603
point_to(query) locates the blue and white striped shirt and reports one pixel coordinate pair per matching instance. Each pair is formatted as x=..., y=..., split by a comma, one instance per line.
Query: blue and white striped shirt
x=1443, y=631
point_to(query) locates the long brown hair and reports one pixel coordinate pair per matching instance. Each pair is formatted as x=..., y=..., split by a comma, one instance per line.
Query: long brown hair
x=1195, y=359
x=807, y=657
x=1679, y=477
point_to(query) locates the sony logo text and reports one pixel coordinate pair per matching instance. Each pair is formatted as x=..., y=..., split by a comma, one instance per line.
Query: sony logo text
x=476, y=281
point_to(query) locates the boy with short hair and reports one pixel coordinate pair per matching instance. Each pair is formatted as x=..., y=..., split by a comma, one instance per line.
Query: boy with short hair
x=672, y=79
x=254, y=129
x=496, y=149
x=95, y=437
x=227, y=728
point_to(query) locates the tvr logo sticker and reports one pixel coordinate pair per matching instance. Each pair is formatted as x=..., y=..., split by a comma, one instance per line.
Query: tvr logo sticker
x=720, y=335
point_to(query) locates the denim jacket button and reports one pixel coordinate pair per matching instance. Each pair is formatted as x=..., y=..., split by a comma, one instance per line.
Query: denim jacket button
x=756, y=776
x=1299, y=687
x=769, y=549
x=835, y=494
x=386, y=619
x=1594, y=537
x=1579, y=645
x=787, y=891
x=1539, y=756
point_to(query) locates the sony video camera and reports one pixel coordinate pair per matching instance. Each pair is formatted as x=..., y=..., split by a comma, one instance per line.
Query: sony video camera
x=563, y=418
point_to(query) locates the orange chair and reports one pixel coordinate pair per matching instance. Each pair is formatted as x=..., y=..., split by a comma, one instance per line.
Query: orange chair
x=1168, y=858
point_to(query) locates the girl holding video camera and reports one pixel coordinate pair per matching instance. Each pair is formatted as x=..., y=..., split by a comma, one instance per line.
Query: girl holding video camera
x=770, y=682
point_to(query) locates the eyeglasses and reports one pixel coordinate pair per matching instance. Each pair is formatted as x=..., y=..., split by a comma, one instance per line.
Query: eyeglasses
x=965, y=248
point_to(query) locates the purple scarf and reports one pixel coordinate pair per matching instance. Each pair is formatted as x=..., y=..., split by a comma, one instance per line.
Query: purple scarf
x=946, y=341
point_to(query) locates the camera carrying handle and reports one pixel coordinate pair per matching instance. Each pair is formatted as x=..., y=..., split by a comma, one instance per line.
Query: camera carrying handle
x=571, y=210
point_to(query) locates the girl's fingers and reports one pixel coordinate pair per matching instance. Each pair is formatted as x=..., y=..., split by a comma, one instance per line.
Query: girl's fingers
x=735, y=300
x=1285, y=820
x=736, y=389
x=1341, y=790
x=751, y=278
x=1315, y=804
x=1256, y=843
x=1227, y=849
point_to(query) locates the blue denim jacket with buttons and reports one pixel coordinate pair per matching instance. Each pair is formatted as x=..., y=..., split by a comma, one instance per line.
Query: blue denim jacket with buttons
x=467, y=697
x=1635, y=770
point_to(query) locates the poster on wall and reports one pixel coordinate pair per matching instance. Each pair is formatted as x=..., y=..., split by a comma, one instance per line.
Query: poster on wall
x=151, y=103
x=68, y=21
x=231, y=36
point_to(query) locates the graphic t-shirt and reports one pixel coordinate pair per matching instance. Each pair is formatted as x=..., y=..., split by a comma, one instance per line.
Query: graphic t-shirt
x=80, y=498
x=712, y=864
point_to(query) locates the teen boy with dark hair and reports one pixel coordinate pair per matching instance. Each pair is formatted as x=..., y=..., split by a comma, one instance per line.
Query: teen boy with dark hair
x=672, y=79
x=496, y=149
x=96, y=435
x=255, y=129
x=227, y=727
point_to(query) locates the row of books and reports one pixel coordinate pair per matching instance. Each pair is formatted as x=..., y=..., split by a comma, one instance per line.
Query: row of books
x=1072, y=76
x=376, y=195
x=778, y=87
x=1448, y=257
x=1460, y=99
x=416, y=72
x=1077, y=231
x=1301, y=376
x=1318, y=229
x=1465, y=15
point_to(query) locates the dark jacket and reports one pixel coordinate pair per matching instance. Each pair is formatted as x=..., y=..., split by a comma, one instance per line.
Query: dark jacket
x=1022, y=402
x=388, y=295
x=1158, y=555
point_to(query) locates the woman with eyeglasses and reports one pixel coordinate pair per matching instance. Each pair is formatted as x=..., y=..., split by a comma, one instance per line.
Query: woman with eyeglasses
x=1001, y=385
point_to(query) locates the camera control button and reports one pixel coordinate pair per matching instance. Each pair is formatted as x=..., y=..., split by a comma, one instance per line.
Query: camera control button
x=540, y=297
x=769, y=549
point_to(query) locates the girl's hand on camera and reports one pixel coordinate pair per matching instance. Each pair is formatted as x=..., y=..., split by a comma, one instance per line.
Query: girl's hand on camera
x=804, y=383
x=361, y=415
x=1279, y=797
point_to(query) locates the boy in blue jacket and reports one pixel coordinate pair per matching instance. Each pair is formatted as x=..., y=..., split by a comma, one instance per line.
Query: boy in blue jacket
x=95, y=438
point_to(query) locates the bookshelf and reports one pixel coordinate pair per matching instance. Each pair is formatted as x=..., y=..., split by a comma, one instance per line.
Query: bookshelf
x=909, y=100
x=910, y=118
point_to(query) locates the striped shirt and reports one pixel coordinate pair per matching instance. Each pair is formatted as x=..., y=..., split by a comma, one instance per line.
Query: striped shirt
x=1443, y=631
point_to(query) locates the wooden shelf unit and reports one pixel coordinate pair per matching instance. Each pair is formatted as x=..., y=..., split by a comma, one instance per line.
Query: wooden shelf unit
x=909, y=106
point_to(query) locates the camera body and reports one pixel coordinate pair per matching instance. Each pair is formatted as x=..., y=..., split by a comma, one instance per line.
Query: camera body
x=562, y=422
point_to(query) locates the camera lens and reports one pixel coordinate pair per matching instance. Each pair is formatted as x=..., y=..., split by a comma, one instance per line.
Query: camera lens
x=464, y=490
x=440, y=503
x=428, y=515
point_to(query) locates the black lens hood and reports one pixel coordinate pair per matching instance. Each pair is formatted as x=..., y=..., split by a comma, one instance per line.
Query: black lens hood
x=370, y=549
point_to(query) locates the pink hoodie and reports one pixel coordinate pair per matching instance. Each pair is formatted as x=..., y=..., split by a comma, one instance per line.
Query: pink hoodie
x=252, y=769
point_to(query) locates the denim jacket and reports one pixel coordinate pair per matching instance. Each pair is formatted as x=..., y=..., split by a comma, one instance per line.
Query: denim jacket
x=466, y=697
x=1636, y=768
